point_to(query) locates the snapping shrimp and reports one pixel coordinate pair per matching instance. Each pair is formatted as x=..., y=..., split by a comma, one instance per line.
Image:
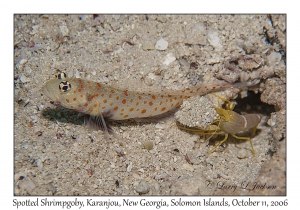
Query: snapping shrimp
x=229, y=122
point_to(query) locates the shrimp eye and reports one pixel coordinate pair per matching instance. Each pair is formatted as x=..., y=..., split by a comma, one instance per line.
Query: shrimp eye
x=62, y=76
x=65, y=86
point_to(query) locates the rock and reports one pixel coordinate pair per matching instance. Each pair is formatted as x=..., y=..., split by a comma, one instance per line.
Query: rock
x=23, y=61
x=160, y=126
x=115, y=25
x=188, y=167
x=186, y=186
x=242, y=153
x=169, y=59
x=214, y=40
x=274, y=58
x=142, y=188
x=27, y=185
x=161, y=44
x=148, y=46
x=64, y=30
x=148, y=145
x=250, y=62
x=197, y=35
x=39, y=164
x=24, y=79
x=129, y=167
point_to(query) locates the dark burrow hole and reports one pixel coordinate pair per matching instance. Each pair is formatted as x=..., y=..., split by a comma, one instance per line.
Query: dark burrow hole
x=253, y=105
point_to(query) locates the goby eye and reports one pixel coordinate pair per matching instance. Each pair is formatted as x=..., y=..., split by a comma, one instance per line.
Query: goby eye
x=65, y=86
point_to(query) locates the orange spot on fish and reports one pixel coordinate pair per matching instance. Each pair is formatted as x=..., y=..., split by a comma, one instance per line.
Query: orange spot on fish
x=112, y=91
x=80, y=80
x=86, y=104
x=74, y=91
x=104, y=100
x=153, y=97
x=74, y=99
x=95, y=105
x=81, y=96
x=160, y=103
x=150, y=103
x=117, y=98
x=89, y=86
x=122, y=110
x=137, y=103
x=125, y=116
x=140, y=97
x=126, y=93
x=167, y=100
x=110, y=96
x=143, y=111
x=102, y=94
x=82, y=86
x=155, y=108
x=170, y=99
x=131, y=100
x=124, y=101
x=180, y=96
x=88, y=82
x=145, y=102
x=99, y=85
x=163, y=109
x=79, y=90
x=116, y=108
x=131, y=109
x=103, y=107
x=79, y=105
x=67, y=100
x=111, y=103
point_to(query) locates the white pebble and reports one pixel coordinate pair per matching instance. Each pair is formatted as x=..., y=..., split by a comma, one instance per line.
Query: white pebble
x=214, y=40
x=161, y=44
x=129, y=167
x=242, y=153
x=169, y=59
x=27, y=185
x=64, y=30
x=142, y=188
x=160, y=126
x=39, y=164
x=24, y=79
x=274, y=58
x=23, y=61
x=188, y=167
x=156, y=186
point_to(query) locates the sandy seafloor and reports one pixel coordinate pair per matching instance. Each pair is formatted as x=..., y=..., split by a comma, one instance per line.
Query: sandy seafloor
x=54, y=154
